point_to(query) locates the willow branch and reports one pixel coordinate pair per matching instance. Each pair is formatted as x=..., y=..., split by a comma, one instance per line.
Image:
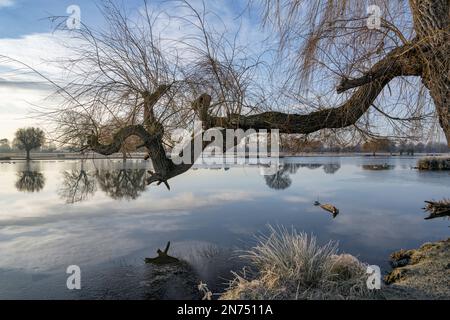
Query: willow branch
x=402, y=61
x=119, y=138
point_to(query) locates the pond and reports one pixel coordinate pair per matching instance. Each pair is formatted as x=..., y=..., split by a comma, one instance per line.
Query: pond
x=101, y=216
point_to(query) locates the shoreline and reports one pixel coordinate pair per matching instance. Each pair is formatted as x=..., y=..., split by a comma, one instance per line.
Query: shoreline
x=8, y=157
x=417, y=274
x=421, y=273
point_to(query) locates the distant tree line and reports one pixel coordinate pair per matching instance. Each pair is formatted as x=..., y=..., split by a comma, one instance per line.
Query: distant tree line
x=28, y=139
x=374, y=146
x=9, y=146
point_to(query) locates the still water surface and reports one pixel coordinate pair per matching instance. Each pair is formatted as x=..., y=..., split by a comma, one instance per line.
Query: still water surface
x=102, y=217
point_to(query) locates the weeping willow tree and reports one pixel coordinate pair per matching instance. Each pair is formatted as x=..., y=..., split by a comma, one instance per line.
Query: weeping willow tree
x=322, y=69
x=388, y=71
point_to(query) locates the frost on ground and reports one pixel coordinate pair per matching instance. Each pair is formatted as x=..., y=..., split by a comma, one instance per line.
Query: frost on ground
x=290, y=265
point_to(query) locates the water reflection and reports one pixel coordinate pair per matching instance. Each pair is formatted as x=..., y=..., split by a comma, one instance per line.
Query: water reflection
x=41, y=235
x=30, y=180
x=331, y=168
x=77, y=185
x=281, y=180
x=131, y=180
x=377, y=167
x=122, y=183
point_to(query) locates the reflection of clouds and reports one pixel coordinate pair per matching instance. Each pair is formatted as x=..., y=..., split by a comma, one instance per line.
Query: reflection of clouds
x=377, y=227
x=89, y=234
x=296, y=199
x=57, y=245
x=48, y=211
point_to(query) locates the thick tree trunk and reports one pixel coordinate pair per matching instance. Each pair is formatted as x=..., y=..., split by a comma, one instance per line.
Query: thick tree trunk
x=431, y=23
x=28, y=155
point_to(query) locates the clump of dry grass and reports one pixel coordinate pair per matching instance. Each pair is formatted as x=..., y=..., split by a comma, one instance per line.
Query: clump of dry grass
x=434, y=163
x=291, y=265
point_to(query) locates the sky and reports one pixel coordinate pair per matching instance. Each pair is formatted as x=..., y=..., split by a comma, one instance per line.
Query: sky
x=28, y=35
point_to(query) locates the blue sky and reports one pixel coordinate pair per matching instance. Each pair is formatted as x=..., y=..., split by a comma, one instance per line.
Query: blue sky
x=23, y=17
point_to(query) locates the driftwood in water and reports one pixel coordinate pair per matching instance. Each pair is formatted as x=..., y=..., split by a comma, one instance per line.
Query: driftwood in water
x=163, y=257
x=328, y=207
x=437, y=209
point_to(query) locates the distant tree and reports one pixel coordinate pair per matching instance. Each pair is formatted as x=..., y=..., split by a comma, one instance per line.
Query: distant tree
x=410, y=149
x=402, y=147
x=28, y=139
x=377, y=145
x=4, y=145
x=420, y=147
x=295, y=144
x=49, y=147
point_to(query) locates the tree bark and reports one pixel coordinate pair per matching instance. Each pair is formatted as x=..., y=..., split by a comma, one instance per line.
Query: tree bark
x=431, y=23
x=28, y=155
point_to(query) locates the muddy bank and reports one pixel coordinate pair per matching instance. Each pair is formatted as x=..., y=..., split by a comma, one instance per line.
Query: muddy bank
x=422, y=273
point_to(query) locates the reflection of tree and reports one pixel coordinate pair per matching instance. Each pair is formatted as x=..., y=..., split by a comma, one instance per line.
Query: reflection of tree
x=331, y=168
x=310, y=166
x=30, y=181
x=281, y=179
x=77, y=186
x=376, y=167
x=122, y=184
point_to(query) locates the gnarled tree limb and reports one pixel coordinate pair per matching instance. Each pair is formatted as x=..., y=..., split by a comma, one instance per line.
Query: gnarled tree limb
x=150, y=99
x=402, y=61
x=119, y=138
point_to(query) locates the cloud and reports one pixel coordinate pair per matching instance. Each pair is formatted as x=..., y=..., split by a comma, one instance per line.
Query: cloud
x=20, y=87
x=6, y=3
x=39, y=51
x=24, y=85
x=296, y=199
x=42, y=51
x=37, y=212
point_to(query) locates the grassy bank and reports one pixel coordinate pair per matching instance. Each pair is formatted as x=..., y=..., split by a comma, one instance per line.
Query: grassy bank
x=425, y=270
x=434, y=163
x=288, y=265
